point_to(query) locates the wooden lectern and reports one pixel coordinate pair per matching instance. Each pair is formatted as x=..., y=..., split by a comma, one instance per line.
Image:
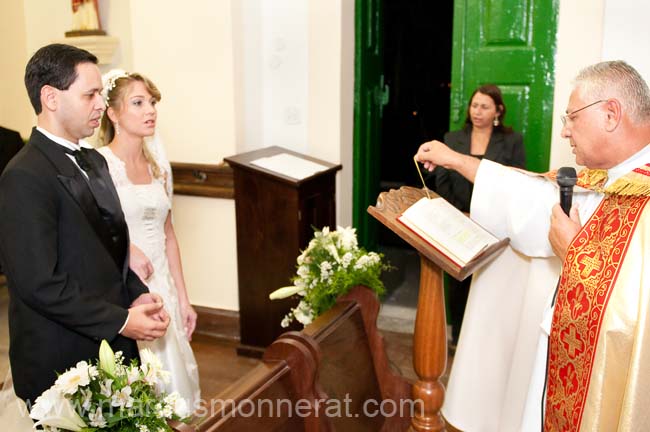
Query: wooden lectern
x=275, y=214
x=430, y=338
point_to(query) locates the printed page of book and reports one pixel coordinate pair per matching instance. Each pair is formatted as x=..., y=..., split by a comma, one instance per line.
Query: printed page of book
x=289, y=165
x=448, y=229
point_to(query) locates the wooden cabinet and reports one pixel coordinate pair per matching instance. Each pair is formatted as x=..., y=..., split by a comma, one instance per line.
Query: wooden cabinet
x=275, y=214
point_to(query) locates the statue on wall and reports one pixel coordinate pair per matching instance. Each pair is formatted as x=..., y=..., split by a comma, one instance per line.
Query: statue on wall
x=85, y=18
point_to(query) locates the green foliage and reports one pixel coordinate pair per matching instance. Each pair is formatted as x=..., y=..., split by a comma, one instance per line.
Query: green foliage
x=331, y=265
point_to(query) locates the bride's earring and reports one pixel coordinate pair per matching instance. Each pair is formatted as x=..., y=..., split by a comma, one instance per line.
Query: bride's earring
x=116, y=126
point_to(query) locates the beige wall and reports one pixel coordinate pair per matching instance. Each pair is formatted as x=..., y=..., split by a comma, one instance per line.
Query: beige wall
x=194, y=53
x=15, y=111
x=187, y=51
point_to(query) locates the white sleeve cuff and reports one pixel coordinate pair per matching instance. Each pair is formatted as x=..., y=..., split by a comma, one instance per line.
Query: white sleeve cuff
x=124, y=325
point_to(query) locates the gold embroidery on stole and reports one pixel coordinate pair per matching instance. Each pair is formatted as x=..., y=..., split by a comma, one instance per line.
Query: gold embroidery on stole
x=588, y=276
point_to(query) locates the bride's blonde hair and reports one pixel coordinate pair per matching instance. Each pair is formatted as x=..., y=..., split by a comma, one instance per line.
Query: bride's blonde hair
x=115, y=91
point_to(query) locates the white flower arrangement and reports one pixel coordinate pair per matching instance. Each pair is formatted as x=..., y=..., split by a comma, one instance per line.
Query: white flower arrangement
x=110, y=396
x=332, y=264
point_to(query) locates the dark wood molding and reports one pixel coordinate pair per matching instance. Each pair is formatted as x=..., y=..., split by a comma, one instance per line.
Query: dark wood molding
x=213, y=181
x=217, y=323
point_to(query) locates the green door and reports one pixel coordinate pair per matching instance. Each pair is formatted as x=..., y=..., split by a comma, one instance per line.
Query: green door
x=510, y=43
x=370, y=95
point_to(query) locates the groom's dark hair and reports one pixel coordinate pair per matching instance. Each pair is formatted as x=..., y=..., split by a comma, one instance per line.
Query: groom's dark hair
x=53, y=65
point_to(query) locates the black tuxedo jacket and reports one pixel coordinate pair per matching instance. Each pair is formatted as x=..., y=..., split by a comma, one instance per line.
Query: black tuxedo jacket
x=504, y=148
x=70, y=286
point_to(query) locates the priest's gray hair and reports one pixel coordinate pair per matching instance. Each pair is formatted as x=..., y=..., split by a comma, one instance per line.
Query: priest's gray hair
x=617, y=79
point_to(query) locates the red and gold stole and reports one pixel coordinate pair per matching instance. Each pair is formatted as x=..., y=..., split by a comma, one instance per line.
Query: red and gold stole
x=588, y=278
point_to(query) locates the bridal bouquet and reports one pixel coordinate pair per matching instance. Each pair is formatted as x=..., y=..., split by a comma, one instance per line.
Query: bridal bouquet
x=331, y=265
x=110, y=396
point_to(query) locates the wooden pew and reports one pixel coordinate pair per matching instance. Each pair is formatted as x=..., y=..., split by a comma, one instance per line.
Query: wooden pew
x=354, y=365
x=266, y=398
x=328, y=372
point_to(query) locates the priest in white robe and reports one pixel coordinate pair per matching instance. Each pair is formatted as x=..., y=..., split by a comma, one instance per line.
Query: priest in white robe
x=598, y=320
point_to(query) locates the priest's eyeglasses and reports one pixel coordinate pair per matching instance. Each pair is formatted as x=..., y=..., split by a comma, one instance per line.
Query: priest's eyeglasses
x=569, y=116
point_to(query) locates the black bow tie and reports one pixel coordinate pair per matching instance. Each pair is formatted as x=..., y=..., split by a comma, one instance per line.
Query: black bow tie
x=82, y=158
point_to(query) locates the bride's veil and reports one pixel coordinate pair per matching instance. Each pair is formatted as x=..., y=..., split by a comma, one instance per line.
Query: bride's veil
x=157, y=150
x=14, y=415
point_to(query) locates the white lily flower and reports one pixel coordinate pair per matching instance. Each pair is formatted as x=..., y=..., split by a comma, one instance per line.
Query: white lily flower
x=285, y=292
x=87, y=398
x=132, y=375
x=53, y=410
x=105, y=387
x=97, y=418
x=106, y=358
x=332, y=250
x=122, y=398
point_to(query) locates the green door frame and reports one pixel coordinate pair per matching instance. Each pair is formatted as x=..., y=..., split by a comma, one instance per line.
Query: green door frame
x=370, y=95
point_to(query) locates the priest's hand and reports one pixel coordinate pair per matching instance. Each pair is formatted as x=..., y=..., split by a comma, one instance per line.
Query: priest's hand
x=144, y=323
x=435, y=153
x=563, y=229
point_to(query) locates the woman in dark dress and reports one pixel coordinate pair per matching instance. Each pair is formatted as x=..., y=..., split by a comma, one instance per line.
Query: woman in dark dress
x=484, y=136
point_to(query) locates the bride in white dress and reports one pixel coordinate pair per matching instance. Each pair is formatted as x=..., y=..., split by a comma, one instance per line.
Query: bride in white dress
x=142, y=177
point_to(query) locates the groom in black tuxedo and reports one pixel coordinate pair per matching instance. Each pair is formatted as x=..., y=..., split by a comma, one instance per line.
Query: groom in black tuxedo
x=63, y=237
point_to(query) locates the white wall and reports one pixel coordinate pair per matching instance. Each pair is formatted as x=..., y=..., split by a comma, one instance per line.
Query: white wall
x=579, y=43
x=590, y=31
x=626, y=34
x=331, y=93
x=284, y=74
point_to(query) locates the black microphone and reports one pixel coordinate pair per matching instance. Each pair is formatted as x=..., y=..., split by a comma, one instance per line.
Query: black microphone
x=566, y=179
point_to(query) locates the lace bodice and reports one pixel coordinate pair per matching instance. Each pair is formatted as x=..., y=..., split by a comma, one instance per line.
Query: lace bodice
x=145, y=207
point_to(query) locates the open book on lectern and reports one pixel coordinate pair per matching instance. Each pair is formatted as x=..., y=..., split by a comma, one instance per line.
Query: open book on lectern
x=447, y=229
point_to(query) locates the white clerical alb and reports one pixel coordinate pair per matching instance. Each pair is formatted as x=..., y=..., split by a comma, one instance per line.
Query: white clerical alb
x=497, y=379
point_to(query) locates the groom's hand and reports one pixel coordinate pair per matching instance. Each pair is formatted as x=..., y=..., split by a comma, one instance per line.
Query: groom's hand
x=146, y=322
x=148, y=298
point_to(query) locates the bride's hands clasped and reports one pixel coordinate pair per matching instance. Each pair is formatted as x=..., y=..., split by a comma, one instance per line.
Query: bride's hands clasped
x=140, y=263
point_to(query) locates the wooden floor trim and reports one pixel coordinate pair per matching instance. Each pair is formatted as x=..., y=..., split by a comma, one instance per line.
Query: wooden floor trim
x=217, y=323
